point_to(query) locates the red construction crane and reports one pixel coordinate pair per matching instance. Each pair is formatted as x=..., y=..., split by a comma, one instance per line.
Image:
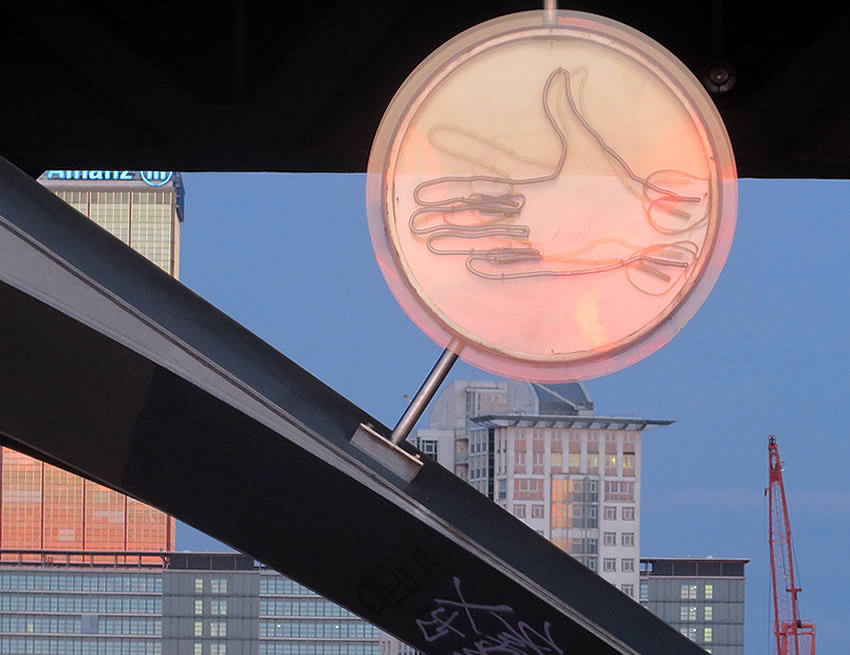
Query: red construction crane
x=793, y=637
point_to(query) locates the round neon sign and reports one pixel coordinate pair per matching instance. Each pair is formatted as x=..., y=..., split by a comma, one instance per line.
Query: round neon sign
x=554, y=197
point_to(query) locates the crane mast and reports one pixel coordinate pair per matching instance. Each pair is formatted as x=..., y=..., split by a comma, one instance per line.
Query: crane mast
x=793, y=636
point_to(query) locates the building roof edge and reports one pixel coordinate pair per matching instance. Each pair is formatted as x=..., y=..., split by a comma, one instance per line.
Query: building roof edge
x=566, y=421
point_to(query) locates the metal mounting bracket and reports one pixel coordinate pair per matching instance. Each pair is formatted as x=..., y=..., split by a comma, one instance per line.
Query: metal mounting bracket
x=387, y=453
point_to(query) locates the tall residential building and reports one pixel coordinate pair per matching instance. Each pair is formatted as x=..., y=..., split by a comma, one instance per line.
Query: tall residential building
x=702, y=598
x=44, y=507
x=538, y=451
x=120, y=603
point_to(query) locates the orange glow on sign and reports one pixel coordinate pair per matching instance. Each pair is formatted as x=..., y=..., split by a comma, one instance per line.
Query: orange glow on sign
x=558, y=199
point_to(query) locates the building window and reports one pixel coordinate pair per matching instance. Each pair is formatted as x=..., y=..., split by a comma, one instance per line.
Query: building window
x=627, y=564
x=592, y=462
x=528, y=489
x=557, y=460
x=619, y=490
x=709, y=613
x=198, y=649
x=199, y=585
x=218, y=649
x=199, y=607
x=199, y=629
x=503, y=489
x=519, y=511
x=560, y=489
x=690, y=633
x=609, y=538
x=628, y=538
x=644, y=591
x=611, y=512
x=575, y=461
x=628, y=513
x=218, y=629
x=559, y=517
x=218, y=586
x=428, y=447
x=609, y=564
x=688, y=592
x=708, y=592
x=583, y=546
x=707, y=635
x=538, y=459
x=611, y=464
x=628, y=589
x=537, y=512
x=218, y=607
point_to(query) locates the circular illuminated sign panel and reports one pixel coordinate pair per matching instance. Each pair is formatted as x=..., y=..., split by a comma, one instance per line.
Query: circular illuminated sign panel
x=554, y=198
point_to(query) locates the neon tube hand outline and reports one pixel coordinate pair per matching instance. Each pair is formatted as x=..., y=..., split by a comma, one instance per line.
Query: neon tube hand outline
x=502, y=204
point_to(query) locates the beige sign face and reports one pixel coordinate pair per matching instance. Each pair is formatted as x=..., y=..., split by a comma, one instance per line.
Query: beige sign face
x=558, y=198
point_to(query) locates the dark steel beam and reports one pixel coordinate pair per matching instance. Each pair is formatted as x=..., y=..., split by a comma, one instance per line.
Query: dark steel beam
x=114, y=369
x=302, y=87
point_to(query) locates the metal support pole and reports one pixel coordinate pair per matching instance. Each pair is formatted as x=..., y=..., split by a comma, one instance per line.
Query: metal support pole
x=550, y=9
x=426, y=392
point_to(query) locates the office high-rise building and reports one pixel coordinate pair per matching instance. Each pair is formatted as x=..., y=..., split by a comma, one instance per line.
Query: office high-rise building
x=122, y=603
x=44, y=507
x=142, y=208
x=538, y=451
x=703, y=598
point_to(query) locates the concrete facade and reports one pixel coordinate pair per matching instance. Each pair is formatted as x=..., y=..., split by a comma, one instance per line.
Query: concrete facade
x=539, y=452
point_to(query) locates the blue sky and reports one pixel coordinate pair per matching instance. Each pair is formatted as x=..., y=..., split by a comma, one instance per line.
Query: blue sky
x=289, y=256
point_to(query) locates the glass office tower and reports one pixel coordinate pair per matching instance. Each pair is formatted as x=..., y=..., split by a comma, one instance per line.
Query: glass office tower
x=46, y=508
x=142, y=208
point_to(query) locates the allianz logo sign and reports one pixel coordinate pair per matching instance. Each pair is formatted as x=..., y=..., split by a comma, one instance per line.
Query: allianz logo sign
x=151, y=178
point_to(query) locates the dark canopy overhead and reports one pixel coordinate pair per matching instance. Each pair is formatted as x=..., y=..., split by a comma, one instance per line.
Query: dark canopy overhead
x=302, y=86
